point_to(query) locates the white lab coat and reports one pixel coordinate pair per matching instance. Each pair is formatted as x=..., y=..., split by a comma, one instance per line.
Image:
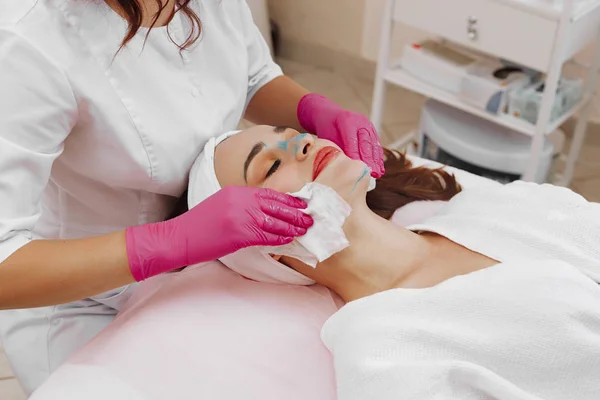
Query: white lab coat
x=90, y=145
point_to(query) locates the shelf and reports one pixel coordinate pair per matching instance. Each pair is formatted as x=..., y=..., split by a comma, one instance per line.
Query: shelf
x=400, y=77
x=548, y=10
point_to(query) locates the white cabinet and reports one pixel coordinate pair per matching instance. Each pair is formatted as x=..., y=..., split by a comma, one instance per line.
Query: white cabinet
x=486, y=26
x=540, y=34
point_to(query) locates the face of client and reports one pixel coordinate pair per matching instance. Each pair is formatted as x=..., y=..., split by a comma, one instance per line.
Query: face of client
x=381, y=255
x=285, y=160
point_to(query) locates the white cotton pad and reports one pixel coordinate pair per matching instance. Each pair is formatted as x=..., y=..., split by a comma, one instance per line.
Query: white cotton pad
x=326, y=237
x=372, y=184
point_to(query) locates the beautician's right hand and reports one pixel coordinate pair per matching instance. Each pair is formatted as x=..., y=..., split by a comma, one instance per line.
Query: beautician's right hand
x=233, y=218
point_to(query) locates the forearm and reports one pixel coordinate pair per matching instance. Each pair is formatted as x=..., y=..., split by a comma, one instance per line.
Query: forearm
x=276, y=103
x=49, y=272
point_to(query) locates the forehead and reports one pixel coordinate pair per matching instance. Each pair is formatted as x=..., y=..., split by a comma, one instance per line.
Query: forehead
x=231, y=154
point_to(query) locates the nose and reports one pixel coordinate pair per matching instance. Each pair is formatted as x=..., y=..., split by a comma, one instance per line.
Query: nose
x=303, y=146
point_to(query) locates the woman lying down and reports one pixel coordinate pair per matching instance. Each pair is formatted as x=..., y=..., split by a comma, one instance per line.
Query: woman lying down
x=494, y=297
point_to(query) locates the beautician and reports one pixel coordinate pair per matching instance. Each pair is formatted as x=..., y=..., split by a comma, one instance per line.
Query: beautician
x=104, y=106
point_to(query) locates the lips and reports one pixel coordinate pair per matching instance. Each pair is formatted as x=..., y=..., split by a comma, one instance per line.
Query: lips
x=324, y=157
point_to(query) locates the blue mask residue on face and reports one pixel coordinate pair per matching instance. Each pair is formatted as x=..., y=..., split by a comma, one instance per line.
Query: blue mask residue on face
x=285, y=144
x=365, y=172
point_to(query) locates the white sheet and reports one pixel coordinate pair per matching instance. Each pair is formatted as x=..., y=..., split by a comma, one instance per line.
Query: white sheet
x=518, y=331
x=523, y=221
x=528, y=328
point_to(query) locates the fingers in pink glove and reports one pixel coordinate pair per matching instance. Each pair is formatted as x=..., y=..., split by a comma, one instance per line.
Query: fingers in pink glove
x=371, y=151
x=285, y=208
x=231, y=219
x=381, y=159
x=279, y=218
x=365, y=149
x=364, y=145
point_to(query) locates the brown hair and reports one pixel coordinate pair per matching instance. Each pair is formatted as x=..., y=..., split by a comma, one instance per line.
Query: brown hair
x=134, y=16
x=402, y=184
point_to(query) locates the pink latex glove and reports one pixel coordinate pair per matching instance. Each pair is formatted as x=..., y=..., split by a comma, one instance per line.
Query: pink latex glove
x=353, y=132
x=234, y=218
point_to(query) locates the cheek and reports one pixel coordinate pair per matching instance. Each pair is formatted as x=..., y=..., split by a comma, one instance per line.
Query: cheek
x=287, y=180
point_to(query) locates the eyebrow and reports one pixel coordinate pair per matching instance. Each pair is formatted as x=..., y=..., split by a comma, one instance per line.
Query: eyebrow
x=280, y=128
x=255, y=150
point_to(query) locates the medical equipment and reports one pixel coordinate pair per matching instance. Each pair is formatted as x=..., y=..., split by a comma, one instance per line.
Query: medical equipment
x=487, y=83
x=437, y=64
x=525, y=102
x=477, y=80
x=456, y=138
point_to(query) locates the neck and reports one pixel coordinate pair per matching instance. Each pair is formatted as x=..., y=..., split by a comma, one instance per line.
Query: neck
x=384, y=256
x=381, y=256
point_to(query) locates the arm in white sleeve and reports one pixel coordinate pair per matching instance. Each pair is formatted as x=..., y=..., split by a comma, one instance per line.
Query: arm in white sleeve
x=37, y=112
x=38, y=109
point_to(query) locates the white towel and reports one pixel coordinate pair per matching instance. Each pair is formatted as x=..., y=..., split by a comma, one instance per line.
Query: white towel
x=516, y=331
x=523, y=221
x=326, y=237
x=528, y=328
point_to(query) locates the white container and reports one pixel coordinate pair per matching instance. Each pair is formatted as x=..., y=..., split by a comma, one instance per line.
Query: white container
x=461, y=140
x=487, y=84
x=525, y=102
x=436, y=64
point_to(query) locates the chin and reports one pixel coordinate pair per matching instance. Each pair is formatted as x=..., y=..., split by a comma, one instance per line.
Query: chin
x=349, y=178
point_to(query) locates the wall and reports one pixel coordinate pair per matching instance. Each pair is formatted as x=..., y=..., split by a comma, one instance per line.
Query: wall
x=401, y=36
x=333, y=24
x=347, y=26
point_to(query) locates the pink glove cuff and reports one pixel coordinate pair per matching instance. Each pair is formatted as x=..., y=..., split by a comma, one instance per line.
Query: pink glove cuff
x=152, y=249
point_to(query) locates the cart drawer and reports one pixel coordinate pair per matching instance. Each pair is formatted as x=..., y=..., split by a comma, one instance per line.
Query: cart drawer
x=484, y=25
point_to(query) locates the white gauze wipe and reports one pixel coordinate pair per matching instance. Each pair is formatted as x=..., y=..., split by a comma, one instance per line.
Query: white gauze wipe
x=372, y=184
x=326, y=237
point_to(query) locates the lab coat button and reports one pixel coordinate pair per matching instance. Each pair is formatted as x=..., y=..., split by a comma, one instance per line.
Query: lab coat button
x=195, y=92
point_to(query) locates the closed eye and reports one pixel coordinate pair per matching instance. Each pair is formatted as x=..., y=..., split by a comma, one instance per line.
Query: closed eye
x=274, y=168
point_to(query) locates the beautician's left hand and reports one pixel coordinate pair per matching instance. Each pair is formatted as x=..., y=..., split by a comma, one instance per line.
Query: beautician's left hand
x=352, y=131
